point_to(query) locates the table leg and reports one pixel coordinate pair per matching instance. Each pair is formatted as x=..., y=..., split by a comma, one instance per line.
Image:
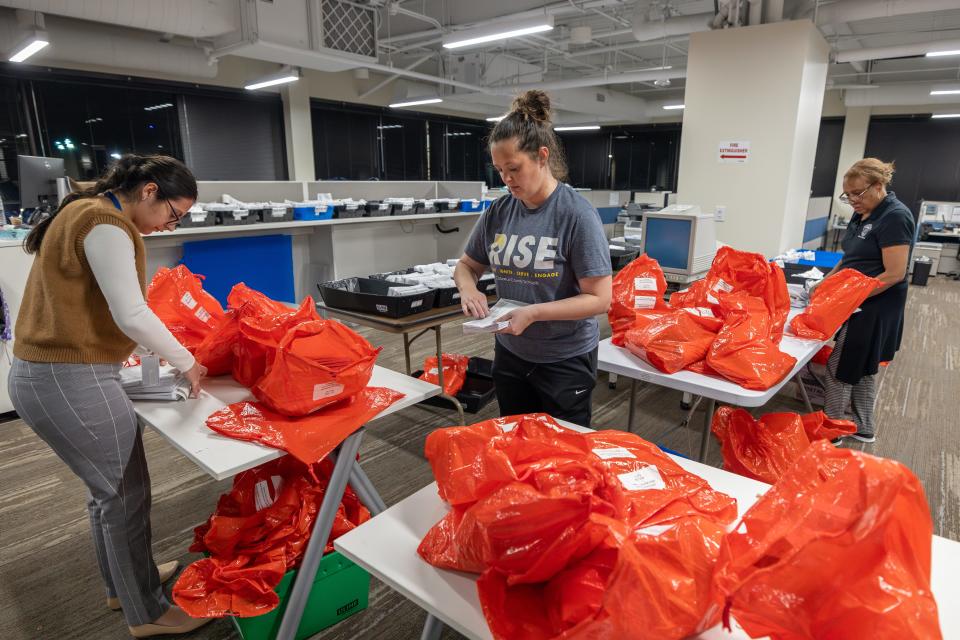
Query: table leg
x=707, y=420
x=432, y=628
x=303, y=582
x=803, y=392
x=406, y=351
x=366, y=491
x=456, y=403
x=612, y=380
x=633, y=404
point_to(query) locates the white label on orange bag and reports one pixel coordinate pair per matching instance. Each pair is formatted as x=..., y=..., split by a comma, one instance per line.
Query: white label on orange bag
x=202, y=314
x=722, y=286
x=188, y=300
x=642, y=479
x=263, y=497
x=433, y=372
x=326, y=390
x=613, y=452
x=644, y=302
x=644, y=284
x=712, y=299
x=703, y=312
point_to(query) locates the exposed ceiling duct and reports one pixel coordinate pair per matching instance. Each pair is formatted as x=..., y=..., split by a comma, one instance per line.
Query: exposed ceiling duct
x=197, y=19
x=665, y=26
x=619, y=78
x=899, y=51
x=902, y=94
x=73, y=45
x=856, y=10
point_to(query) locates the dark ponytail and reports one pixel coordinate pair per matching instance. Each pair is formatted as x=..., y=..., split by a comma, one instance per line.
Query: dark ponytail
x=124, y=176
x=529, y=121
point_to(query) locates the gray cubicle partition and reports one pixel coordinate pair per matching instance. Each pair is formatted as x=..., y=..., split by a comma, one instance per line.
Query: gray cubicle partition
x=250, y=190
x=374, y=189
x=460, y=189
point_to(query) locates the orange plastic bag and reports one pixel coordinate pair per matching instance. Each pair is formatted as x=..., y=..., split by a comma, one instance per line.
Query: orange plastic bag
x=216, y=352
x=832, y=303
x=638, y=286
x=308, y=438
x=258, y=532
x=316, y=364
x=819, y=427
x=241, y=295
x=674, y=341
x=262, y=327
x=760, y=449
x=177, y=297
x=821, y=357
x=454, y=372
x=839, y=547
x=743, y=352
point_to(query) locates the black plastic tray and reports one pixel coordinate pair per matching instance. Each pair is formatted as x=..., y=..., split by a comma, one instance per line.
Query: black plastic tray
x=488, y=287
x=341, y=212
x=187, y=222
x=376, y=209
x=226, y=218
x=266, y=215
x=422, y=208
x=446, y=297
x=619, y=258
x=478, y=388
x=369, y=295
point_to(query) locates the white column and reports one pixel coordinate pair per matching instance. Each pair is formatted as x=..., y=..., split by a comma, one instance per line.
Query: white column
x=298, y=131
x=852, y=146
x=762, y=85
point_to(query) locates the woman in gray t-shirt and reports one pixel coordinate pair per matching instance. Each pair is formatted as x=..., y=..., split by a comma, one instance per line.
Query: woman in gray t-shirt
x=546, y=247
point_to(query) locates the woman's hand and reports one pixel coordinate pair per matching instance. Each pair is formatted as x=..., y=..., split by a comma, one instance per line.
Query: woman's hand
x=473, y=302
x=193, y=376
x=519, y=320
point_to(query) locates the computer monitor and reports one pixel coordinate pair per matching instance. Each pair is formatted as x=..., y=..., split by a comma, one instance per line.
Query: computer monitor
x=38, y=181
x=682, y=239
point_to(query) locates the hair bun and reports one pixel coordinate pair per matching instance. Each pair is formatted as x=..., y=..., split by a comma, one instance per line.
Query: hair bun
x=533, y=105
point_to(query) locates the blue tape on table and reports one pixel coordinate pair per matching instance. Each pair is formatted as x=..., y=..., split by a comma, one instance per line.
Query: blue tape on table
x=264, y=263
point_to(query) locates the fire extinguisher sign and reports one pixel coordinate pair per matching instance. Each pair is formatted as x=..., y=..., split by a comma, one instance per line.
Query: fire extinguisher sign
x=733, y=152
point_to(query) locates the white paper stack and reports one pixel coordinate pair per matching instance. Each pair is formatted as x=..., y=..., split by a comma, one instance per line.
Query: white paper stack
x=492, y=322
x=170, y=386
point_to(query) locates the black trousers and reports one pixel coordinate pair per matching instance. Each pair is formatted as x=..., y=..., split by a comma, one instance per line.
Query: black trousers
x=562, y=389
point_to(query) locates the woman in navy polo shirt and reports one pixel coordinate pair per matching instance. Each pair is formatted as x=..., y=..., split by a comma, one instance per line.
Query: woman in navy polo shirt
x=877, y=243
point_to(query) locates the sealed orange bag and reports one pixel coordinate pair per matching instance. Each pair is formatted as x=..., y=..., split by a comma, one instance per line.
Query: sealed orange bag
x=638, y=286
x=760, y=449
x=262, y=327
x=454, y=372
x=308, y=438
x=819, y=427
x=177, y=297
x=258, y=532
x=839, y=547
x=832, y=303
x=674, y=341
x=241, y=295
x=743, y=352
x=216, y=350
x=316, y=364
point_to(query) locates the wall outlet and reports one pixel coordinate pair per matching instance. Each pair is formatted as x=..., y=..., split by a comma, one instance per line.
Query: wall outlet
x=720, y=212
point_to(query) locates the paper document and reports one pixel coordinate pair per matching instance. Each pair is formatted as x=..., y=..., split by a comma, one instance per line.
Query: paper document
x=491, y=323
x=171, y=385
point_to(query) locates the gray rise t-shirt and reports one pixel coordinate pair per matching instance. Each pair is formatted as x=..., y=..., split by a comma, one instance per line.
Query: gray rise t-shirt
x=538, y=255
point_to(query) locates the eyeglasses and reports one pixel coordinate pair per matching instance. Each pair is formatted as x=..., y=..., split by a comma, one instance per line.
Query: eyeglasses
x=174, y=216
x=847, y=199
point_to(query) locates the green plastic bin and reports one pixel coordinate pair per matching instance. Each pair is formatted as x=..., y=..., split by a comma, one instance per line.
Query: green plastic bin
x=340, y=590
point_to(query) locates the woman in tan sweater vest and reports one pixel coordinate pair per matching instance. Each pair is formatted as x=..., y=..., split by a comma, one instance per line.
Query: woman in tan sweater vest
x=82, y=315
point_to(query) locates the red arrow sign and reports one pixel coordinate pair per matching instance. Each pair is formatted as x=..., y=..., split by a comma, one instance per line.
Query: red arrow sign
x=724, y=156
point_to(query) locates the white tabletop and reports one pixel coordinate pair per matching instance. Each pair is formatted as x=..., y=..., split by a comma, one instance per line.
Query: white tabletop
x=184, y=424
x=386, y=546
x=620, y=361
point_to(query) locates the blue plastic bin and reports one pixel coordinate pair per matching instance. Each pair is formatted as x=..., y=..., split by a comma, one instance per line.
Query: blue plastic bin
x=472, y=205
x=304, y=211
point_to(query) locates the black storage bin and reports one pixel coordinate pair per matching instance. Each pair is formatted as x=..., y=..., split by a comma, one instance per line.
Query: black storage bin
x=446, y=297
x=921, y=272
x=444, y=206
x=488, y=287
x=407, y=209
x=228, y=218
x=369, y=295
x=377, y=209
x=425, y=207
x=478, y=388
x=273, y=214
x=193, y=220
x=792, y=271
x=342, y=211
x=619, y=258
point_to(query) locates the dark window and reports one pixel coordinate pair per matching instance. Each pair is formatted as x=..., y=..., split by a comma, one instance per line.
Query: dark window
x=345, y=144
x=828, y=156
x=926, y=153
x=645, y=157
x=403, y=145
x=587, y=158
x=15, y=139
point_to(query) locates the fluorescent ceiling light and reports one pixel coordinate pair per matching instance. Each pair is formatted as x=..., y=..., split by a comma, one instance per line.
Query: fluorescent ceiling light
x=946, y=115
x=670, y=107
x=115, y=155
x=945, y=92
x=937, y=54
x=164, y=105
x=496, y=118
x=285, y=75
x=37, y=41
x=663, y=68
x=498, y=31
x=413, y=103
x=585, y=127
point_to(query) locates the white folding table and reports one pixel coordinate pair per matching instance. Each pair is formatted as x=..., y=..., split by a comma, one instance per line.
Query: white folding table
x=386, y=546
x=620, y=361
x=183, y=424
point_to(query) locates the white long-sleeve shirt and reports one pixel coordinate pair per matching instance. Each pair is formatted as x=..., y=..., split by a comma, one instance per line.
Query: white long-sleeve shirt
x=110, y=254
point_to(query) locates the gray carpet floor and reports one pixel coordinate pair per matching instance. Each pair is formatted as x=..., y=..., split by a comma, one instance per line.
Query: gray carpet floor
x=49, y=585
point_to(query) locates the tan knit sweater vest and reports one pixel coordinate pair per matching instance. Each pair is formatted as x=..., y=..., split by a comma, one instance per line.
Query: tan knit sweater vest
x=64, y=316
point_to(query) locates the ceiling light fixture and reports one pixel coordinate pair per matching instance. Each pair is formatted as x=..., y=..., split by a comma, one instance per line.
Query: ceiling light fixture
x=584, y=127
x=284, y=76
x=33, y=43
x=164, y=105
x=945, y=92
x=500, y=30
x=946, y=115
x=496, y=118
x=413, y=103
x=670, y=107
x=937, y=54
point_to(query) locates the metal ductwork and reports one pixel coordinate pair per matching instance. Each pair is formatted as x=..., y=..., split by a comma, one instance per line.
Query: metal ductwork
x=596, y=81
x=896, y=95
x=899, y=51
x=645, y=30
x=74, y=46
x=197, y=19
x=855, y=10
